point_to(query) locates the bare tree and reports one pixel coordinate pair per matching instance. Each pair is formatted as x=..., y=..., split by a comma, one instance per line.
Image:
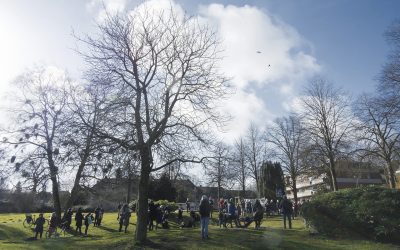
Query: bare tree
x=380, y=132
x=288, y=136
x=389, y=80
x=239, y=160
x=328, y=121
x=255, y=153
x=38, y=109
x=218, y=169
x=160, y=80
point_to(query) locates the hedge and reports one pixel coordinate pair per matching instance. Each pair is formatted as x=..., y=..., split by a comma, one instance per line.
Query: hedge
x=370, y=211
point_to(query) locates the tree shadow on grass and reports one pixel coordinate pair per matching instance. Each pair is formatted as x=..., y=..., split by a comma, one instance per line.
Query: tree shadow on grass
x=8, y=232
x=111, y=230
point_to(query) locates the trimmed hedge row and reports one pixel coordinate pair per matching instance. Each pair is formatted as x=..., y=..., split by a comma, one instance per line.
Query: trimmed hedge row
x=370, y=211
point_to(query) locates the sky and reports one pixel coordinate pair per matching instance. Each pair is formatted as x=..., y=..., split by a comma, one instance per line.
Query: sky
x=341, y=40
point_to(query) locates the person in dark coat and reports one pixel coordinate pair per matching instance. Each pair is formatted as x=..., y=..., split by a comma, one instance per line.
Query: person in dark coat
x=127, y=216
x=78, y=221
x=287, y=210
x=258, y=214
x=96, y=216
x=152, y=215
x=53, y=224
x=68, y=218
x=122, y=216
x=180, y=214
x=205, y=210
x=39, y=226
x=101, y=213
x=88, y=220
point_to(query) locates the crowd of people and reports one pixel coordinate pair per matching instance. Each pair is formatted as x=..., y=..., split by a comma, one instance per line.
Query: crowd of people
x=66, y=221
x=241, y=214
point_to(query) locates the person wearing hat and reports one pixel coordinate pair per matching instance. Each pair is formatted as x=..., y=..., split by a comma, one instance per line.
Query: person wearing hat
x=204, y=210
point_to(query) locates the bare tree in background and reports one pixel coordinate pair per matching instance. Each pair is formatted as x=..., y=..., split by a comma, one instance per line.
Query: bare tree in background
x=38, y=110
x=218, y=168
x=328, y=121
x=380, y=133
x=389, y=80
x=160, y=80
x=255, y=153
x=240, y=166
x=287, y=134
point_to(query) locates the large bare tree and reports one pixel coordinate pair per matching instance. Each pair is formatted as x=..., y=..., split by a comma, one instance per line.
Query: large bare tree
x=39, y=123
x=380, y=132
x=328, y=121
x=160, y=80
x=288, y=137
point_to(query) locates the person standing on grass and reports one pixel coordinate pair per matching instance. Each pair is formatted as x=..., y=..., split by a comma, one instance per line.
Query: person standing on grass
x=205, y=210
x=152, y=215
x=52, y=224
x=127, y=216
x=68, y=218
x=78, y=221
x=39, y=226
x=96, y=216
x=187, y=205
x=101, y=213
x=88, y=220
x=123, y=212
x=287, y=210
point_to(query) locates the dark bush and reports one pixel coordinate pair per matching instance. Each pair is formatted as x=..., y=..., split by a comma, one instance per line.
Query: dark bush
x=369, y=211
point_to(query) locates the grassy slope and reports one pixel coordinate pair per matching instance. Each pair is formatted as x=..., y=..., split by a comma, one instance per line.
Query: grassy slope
x=14, y=236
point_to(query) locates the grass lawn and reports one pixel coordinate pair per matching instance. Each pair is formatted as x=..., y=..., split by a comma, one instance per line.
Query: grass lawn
x=13, y=235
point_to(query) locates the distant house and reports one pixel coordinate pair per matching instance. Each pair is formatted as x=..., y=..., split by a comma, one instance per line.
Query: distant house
x=348, y=174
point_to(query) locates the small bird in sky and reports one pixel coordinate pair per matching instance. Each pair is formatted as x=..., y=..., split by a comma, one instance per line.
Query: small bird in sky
x=258, y=52
x=269, y=65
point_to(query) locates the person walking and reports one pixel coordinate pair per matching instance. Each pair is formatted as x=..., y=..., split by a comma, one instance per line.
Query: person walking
x=88, y=220
x=287, y=210
x=78, y=221
x=205, y=210
x=123, y=212
x=68, y=218
x=39, y=226
x=53, y=224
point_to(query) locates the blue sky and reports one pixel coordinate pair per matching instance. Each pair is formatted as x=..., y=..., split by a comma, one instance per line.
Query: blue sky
x=341, y=40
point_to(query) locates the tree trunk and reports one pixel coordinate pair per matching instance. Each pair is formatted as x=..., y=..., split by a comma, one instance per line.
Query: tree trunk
x=333, y=176
x=294, y=186
x=392, y=176
x=55, y=191
x=142, y=214
x=75, y=188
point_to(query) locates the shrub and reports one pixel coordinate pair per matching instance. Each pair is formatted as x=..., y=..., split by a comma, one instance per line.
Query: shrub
x=369, y=211
x=172, y=205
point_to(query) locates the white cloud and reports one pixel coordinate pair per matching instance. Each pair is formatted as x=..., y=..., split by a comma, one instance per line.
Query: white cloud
x=282, y=64
x=101, y=7
x=261, y=51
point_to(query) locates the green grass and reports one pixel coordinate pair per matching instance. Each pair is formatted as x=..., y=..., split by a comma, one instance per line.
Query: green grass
x=14, y=236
